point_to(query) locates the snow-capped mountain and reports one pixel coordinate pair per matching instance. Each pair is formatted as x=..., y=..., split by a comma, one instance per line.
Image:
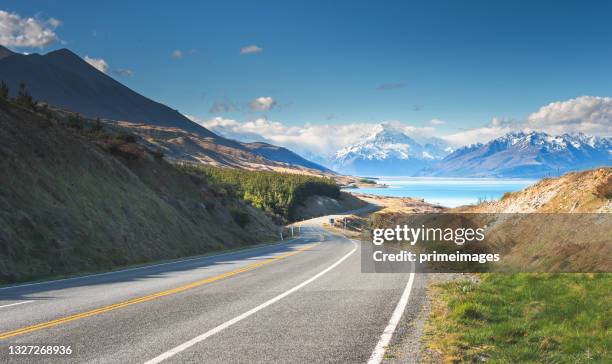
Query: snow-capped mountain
x=526, y=154
x=388, y=151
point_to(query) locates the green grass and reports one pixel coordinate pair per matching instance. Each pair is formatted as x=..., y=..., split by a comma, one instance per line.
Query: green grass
x=535, y=318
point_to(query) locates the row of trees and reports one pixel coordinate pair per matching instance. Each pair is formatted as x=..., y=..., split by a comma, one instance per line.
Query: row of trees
x=273, y=192
x=23, y=98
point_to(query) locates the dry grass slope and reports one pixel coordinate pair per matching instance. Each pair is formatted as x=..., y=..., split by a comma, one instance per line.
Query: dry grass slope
x=72, y=202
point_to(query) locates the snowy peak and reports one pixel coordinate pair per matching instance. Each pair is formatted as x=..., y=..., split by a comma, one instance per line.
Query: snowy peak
x=527, y=154
x=389, y=142
x=385, y=145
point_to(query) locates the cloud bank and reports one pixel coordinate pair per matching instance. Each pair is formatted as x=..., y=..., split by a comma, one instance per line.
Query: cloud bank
x=19, y=32
x=589, y=114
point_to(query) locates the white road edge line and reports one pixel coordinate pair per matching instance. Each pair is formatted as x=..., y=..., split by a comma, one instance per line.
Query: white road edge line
x=15, y=304
x=203, y=257
x=236, y=319
x=381, y=347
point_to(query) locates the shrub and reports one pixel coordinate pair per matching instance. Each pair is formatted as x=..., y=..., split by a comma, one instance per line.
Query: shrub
x=75, y=121
x=240, y=217
x=4, y=91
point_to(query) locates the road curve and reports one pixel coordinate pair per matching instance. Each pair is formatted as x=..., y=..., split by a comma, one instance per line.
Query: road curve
x=301, y=301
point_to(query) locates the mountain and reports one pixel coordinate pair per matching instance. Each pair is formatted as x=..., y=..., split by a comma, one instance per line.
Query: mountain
x=63, y=79
x=526, y=154
x=388, y=152
x=280, y=154
x=181, y=146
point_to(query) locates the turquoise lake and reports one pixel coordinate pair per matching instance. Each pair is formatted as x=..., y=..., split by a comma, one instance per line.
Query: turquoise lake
x=449, y=192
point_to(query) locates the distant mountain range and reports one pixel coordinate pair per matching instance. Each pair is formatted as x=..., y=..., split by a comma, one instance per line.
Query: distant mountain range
x=388, y=151
x=63, y=79
x=526, y=154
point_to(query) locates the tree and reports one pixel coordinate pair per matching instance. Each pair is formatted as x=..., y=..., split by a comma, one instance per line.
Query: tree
x=4, y=91
x=24, y=98
x=75, y=121
x=97, y=126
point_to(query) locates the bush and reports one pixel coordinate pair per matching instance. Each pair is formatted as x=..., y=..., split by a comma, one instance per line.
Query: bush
x=158, y=154
x=240, y=217
x=75, y=121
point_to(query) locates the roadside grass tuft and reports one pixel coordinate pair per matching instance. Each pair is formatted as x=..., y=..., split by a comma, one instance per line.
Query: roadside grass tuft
x=549, y=318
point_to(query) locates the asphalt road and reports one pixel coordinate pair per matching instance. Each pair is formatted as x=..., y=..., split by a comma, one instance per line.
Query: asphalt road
x=302, y=301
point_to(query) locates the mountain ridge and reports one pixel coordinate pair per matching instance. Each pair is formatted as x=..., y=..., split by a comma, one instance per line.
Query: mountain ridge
x=526, y=154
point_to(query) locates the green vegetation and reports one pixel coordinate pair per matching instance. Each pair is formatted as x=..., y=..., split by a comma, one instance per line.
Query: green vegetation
x=544, y=318
x=4, y=91
x=24, y=98
x=367, y=181
x=273, y=192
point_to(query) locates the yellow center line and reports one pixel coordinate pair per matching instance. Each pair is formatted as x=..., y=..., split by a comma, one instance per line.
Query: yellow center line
x=133, y=301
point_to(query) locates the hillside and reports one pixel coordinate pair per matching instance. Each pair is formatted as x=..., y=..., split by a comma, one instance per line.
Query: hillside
x=76, y=198
x=182, y=146
x=558, y=224
x=588, y=191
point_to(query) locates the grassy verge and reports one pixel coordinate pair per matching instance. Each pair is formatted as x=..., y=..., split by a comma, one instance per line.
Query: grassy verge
x=543, y=318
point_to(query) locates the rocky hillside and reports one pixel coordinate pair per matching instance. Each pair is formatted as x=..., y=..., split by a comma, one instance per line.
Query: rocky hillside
x=180, y=145
x=75, y=197
x=588, y=191
x=561, y=224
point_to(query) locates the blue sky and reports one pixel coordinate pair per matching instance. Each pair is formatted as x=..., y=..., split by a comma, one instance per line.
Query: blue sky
x=345, y=62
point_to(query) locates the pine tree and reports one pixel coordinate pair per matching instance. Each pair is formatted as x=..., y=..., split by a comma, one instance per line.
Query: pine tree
x=24, y=98
x=4, y=91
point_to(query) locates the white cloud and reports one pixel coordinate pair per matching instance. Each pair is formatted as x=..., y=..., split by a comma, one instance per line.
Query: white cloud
x=494, y=129
x=437, y=122
x=177, y=53
x=587, y=114
x=123, y=72
x=98, y=63
x=251, y=49
x=391, y=86
x=262, y=103
x=580, y=114
x=220, y=106
x=308, y=139
x=16, y=31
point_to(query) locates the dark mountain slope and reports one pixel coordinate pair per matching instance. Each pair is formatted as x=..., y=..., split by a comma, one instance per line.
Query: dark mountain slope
x=64, y=79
